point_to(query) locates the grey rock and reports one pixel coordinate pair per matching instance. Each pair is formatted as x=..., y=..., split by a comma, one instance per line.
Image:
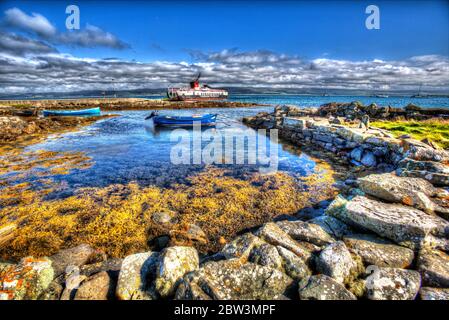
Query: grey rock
x=427, y=293
x=234, y=280
x=368, y=159
x=409, y=191
x=333, y=226
x=434, y=268
x=173, y=264
x=136, y=275
x=356, y=154
x=405, y=225
x=380, y=252
x=292, y=265
x=274, y=235
x=393, y=284
x=305, y=231
x=322, y=287
x=336, y=261
x=266, y=255
x=241, y=246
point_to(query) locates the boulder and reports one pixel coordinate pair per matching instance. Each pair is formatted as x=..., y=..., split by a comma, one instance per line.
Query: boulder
x=274, y=235
x=26, y=280
x=322, y=287
x=427, y=293
x=334, y=227
x=97, y=287
x=356, y=154
x=408, y=191
x=336, y=261
x=368, y=159
x=305, y=231
x=393, y=284
x=405, y=225
x=136, y=273
x=241, y=246
x=377, y=251
x=173, y=264
x=76, y=256
x=292, y=265
x=434, y=268
x=234, y=280
x=266, y=255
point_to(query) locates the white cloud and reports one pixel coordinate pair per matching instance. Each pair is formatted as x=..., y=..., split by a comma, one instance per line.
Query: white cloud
x=90, y=36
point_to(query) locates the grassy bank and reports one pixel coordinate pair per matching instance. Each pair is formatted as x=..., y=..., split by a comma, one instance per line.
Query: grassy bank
x=434, y=130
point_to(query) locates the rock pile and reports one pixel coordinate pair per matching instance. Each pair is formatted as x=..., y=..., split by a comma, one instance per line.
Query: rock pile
x=362, y=248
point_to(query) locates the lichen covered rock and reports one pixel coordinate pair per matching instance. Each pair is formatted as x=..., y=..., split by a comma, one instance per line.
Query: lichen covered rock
x=305, y=231
x=380, y=252
x=434, y=268
x=336, y=262
x=97, y=287
x=136, y=273
x=173, y=264
x=322, y=287
x=26, y=280
x=234, y=280
x=393, y=284
x=241, y=246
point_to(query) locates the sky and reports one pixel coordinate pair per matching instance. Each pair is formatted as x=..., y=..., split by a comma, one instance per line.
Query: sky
x=256, y=44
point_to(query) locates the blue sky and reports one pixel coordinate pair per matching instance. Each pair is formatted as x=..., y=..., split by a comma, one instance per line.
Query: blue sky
x=306, y=30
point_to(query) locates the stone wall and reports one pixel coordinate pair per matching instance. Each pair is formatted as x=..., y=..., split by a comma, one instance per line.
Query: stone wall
x=357, y=143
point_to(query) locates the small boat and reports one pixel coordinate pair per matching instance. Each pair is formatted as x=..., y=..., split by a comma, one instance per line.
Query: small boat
x=183, y=121
x=74, y=113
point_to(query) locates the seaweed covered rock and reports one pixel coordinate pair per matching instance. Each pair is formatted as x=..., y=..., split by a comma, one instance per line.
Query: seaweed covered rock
x=173, y=264
x=26, y=280
x=406, y=226
x=234, y=280
x=322, y=287
x=393, y=284
x=304, y=231
x=380, y=252
x=427, y=293
x=336, y=261
x=434, y=268
x=136, y=274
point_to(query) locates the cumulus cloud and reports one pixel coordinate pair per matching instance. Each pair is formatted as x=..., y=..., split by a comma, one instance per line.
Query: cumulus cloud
x=38, y=25
x=35, y=22
x=18, y=45
x=58, y=72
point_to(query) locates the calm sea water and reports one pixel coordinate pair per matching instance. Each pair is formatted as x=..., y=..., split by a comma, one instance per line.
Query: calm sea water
x=128, y=148
x=316, y=101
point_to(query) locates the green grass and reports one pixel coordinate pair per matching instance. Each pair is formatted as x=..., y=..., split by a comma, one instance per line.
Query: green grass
x=435, y=130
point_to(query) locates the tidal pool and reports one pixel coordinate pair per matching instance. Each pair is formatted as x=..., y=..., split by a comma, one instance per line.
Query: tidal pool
x=112, y=185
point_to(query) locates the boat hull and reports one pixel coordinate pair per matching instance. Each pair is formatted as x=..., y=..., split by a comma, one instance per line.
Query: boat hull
x=67, y=113
x=166, y=121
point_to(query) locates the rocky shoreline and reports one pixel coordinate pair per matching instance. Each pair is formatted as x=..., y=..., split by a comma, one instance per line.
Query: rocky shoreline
x=17, y=107
x=385, y=237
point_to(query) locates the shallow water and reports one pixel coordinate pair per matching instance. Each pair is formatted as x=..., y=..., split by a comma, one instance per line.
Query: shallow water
x=128, y=148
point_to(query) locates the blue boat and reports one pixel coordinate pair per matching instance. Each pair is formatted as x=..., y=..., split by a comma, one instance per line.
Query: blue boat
x=59, y=113
x=183, y=121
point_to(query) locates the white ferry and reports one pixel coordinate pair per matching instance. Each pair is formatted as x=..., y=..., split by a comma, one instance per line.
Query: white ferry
x=196, y=92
